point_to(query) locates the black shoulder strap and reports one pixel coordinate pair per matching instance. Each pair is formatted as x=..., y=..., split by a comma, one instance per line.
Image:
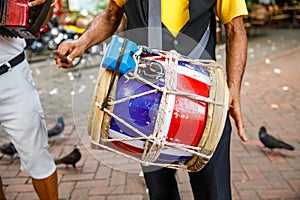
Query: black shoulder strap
x=154, y=24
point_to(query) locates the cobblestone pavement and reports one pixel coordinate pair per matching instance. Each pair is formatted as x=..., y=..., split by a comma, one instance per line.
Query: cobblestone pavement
x=270, y=97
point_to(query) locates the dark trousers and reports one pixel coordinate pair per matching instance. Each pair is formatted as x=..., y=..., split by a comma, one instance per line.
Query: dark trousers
x=211, y=183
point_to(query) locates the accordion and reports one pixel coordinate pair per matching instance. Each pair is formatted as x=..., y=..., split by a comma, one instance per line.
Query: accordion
x=17, y=19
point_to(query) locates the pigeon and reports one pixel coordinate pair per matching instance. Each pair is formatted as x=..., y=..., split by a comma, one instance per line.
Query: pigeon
x=70, y=159
x=271, y=142
x=8, y=149
x=57, y=130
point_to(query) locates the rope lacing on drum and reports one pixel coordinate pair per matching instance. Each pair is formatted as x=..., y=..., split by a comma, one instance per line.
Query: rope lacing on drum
x=169, y=165
x=163, y=89
x=169, y=56
x=155, y=142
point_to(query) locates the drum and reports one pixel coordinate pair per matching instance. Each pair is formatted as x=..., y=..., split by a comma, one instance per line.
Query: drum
x=169, y=111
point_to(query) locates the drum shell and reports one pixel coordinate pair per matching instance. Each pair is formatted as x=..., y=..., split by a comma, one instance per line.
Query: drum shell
x=185, y=117
x=152, y=114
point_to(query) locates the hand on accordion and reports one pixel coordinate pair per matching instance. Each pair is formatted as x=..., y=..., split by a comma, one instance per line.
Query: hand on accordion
x=38, y=2
x=26, y=23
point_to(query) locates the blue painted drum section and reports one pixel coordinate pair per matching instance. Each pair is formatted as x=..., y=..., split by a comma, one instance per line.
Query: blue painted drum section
x=140, y=112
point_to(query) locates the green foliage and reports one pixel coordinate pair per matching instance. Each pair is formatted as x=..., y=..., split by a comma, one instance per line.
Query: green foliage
x=88, y=6
x=293, y=2
x=249, y=5
x=100, y=5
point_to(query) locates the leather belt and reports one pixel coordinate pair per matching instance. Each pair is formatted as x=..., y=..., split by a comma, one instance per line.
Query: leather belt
x=5, y=67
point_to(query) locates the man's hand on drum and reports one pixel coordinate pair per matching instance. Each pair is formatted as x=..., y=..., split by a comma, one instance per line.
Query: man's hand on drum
x=236, y=113
x=67, y=52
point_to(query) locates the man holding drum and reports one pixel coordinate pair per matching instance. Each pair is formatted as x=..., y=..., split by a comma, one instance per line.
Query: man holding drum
x=22, y=117
x=197, y=20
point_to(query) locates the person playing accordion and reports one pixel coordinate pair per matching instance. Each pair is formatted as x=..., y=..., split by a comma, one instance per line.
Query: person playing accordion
x=21, y=113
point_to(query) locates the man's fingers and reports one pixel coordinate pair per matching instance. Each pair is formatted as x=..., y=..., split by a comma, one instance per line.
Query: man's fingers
x=63, y=64
x=36, y=2
x=60, y=56
x=62, y=61
x=66, y=53
x=242, y=134
x=240, y=127
x=69, y=59
x=235, y=112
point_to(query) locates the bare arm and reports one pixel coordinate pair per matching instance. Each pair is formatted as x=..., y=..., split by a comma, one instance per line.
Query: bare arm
x=101, y=28
x=104, y=25
x=236, y=55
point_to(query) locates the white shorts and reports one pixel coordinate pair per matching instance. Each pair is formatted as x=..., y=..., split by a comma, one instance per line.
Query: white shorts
x=22, y=117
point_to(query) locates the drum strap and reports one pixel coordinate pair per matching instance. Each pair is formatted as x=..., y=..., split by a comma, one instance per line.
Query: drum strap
x=155, y=31
x=114, y=75
x=200, y=47
x=154, y=24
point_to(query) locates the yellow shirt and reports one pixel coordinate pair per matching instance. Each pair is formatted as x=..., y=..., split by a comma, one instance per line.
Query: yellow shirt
x=225, y=10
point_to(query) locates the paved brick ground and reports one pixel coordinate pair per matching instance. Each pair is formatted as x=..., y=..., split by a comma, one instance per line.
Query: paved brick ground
x=270, y=98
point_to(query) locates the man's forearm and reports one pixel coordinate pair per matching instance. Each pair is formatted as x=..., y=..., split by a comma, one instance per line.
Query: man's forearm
x=236, y=53
x=103, y=26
